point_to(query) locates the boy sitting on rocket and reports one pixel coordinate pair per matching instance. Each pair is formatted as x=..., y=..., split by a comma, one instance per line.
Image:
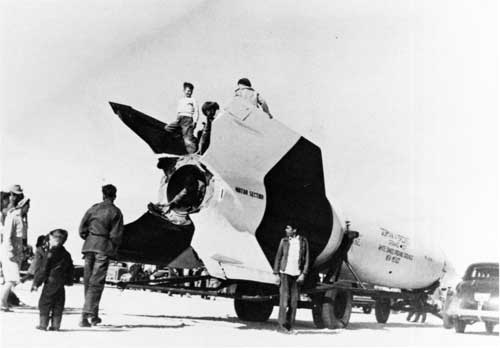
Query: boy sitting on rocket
x=55, y=271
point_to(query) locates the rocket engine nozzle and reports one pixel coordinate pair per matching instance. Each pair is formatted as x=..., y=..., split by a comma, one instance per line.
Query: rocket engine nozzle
x=186, y=188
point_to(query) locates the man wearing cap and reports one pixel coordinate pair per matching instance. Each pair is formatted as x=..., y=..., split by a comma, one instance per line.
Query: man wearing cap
x=13, y=237
x=246, y=92
x=101, y=228
x=291, y=264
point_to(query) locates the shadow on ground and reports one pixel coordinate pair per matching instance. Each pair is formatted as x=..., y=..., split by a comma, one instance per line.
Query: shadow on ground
x=139, y=326
x=378, y=326
x=25, y=309
x=301, y=327
x=93, y=329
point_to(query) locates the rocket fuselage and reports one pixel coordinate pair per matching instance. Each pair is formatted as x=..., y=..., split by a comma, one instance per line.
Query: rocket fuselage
x=260, y=176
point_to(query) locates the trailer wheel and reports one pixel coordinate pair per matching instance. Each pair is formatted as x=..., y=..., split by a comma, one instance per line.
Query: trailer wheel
x=317, y=308
x=367, y=309
x=382, y=310
x=255, y=311
x=460, y=326
x=333, y=309
x=489, y=326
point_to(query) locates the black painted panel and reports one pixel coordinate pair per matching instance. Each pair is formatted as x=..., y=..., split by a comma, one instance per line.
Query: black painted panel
x=295, y=191
x=151, y=130
x=151, y=239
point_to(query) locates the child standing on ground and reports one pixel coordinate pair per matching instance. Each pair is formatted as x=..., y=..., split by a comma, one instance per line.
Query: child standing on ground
x=55, y=271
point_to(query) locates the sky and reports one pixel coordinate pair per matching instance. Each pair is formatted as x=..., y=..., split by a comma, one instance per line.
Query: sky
x=402, y=97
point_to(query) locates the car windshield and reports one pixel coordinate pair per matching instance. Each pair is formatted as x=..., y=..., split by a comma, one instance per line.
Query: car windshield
x=482, y=272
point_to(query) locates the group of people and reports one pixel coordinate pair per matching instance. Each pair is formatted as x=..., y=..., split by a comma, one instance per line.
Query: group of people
x=101, y=229
x=188, y=115
x=52, y=266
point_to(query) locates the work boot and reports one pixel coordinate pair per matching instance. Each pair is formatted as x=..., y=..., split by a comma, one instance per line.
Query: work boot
x=44, y=322
x=84, y=322
x=95, y=320
x=55, y=323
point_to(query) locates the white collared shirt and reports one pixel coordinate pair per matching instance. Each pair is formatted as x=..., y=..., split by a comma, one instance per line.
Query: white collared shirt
x=188, y=107
x=292, y=264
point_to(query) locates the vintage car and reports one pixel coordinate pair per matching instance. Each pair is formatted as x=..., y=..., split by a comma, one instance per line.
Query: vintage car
x=475, y=299
x=115, y=271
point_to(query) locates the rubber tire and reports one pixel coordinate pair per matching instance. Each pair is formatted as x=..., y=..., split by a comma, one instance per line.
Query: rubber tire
x=489, y=326
x=316, y=312
x=447, y=321
x=334, y=311
x=460, y=326
x=382, y=310
x=367, y=309
x=253, y=311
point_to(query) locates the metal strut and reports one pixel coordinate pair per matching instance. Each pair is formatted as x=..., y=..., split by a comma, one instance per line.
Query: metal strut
x=341, y=255
x=354, y=274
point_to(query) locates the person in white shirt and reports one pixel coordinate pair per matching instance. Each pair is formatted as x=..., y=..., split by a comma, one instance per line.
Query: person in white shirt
x=291, y=264
x=187, y=106
x=187, y=117
x=246, y=92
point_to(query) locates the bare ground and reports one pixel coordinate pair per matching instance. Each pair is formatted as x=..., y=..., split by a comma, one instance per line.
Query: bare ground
x=149, y=319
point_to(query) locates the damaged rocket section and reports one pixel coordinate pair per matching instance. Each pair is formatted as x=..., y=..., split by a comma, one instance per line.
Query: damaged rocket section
x=154, y=240
x=164, y=233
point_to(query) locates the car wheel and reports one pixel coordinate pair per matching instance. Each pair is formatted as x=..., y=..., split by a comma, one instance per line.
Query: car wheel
x=489, y=327
x=460, y=326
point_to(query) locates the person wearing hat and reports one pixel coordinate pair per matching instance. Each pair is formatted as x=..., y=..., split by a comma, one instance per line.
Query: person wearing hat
x=102, y=229
x=291, y=264
x=10, y=199
x=55, y=271
x=246, y=92
x=13, y=237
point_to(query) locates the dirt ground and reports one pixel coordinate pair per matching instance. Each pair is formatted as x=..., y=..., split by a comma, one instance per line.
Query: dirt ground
x=136, y=318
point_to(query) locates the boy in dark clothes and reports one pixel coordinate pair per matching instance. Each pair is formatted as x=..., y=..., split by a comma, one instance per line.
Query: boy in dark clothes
x=55, y=271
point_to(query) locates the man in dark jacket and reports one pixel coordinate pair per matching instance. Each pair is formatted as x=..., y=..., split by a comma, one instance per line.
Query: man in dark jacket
x=55, y=271
x=209, y=109
x=101, y=228
x=292, y=265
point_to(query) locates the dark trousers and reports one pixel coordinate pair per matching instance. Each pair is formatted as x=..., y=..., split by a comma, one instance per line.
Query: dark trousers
x=51, y=304
x=204, y=138
x=289, y=296
x=184, y=125
x=94, y=277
